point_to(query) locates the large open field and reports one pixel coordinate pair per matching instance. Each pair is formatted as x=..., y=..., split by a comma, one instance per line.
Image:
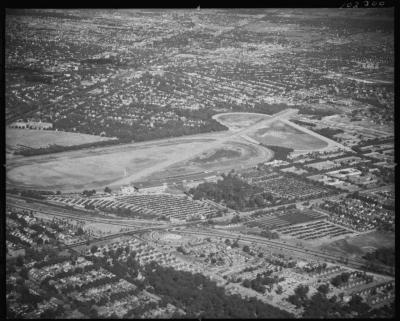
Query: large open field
x=236, y=121
x=16, y=138
x=361, y=244
x=98, y=168
x=123, y=164
x=282, y=134
x=230, y=155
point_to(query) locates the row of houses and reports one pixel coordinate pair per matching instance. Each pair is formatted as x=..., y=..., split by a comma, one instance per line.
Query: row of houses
x=31, y=125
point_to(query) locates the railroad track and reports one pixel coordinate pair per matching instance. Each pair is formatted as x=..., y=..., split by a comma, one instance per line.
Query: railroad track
x=115, y=235
x=138, y=229
x=356, y=263
x=86, y=218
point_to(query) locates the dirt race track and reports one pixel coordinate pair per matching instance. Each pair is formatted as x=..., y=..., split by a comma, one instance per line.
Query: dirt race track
x=120, y=165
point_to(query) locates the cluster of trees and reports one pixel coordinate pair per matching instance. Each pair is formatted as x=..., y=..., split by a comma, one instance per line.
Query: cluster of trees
x=138, y=311
x=39, y=229
x=181, y=249
x=59, y=148
x=323, y=288
x=372, y=141
x=55, y=226
x=370, y=200
x=234, y=192
x=33, y=194
x=141, y=130
x=268, y=109
x=175, y=128
x=202, y=298
x=34, y=254
x=86, y=308
x=387, y=175
x=340, y=279
x=89, y=207
x=233, y=244
x=318, y=112
x=319, y=306
x=262, y=282
x=89, y=193
x=26, y=296
x=302, y=123
x=281, y=262
x=315, y=268
x=384, y=255
x=328, y=132
x=299, y=298
x=128, y=270
x=235, y=219
x=269, y=235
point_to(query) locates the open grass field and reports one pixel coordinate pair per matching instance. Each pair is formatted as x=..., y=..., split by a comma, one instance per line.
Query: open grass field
x=282, y=134
x=44, y=138
x=237, y=121
x=361, y=244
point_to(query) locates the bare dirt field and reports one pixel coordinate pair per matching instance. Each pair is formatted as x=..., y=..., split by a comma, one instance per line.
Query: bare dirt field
x=44, y=138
